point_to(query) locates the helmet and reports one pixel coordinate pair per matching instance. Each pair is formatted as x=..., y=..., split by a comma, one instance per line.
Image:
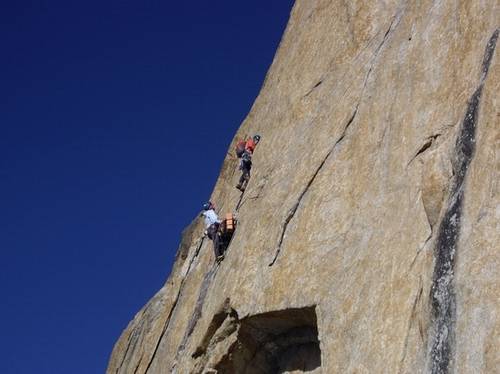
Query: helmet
x=207, y=206
x=256, y=138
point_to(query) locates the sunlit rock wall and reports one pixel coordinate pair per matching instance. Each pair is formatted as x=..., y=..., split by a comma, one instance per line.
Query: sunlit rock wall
x=369, y=235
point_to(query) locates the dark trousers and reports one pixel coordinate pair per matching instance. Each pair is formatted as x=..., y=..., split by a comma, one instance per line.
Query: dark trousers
x=212, y=233
x=212, y=230
x=218, y=250
x=245, y=176
x=245, y=173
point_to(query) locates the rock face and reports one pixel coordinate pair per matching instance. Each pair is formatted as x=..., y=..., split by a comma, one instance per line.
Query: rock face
x=369, y=235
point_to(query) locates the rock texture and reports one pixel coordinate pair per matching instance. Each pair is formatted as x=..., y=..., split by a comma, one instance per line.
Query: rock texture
x=368, y=238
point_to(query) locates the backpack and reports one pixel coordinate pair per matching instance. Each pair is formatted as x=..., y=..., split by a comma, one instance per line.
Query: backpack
x=240, y=148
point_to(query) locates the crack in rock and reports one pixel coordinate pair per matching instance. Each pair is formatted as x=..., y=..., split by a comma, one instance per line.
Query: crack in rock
x=240, y=201
x=410, y=325
x=420, y=251
x=138, y=364
x=392, y=26
x=442, y=294
x=132, y=341
x=428, y=143
x=167, y=321
x=247, y=199
x=313, y=88
x=394, y=23
x=295, y=207
x=193, y=321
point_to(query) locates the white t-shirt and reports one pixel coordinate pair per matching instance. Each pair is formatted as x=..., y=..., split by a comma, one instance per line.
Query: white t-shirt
x=210, y=217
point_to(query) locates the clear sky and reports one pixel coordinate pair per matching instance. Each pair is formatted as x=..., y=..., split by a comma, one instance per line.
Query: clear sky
x=115, y=117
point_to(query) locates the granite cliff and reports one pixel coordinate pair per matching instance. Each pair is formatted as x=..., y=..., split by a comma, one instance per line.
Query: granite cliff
x=368, y=237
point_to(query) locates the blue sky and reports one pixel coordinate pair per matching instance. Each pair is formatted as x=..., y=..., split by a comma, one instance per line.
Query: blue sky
x=115, y=117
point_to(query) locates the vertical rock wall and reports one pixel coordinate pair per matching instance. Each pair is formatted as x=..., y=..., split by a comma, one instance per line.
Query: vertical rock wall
x=368, y=235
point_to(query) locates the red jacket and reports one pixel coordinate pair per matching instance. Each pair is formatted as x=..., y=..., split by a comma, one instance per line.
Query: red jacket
x=250, y=145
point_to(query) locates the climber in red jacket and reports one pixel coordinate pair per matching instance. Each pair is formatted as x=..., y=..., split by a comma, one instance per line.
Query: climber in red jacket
x=252, y=143
x=246, y=146
x=246, y=162
x=245, y=166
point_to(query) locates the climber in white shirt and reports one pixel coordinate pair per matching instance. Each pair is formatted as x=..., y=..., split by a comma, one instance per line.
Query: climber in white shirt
x=212, y=221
